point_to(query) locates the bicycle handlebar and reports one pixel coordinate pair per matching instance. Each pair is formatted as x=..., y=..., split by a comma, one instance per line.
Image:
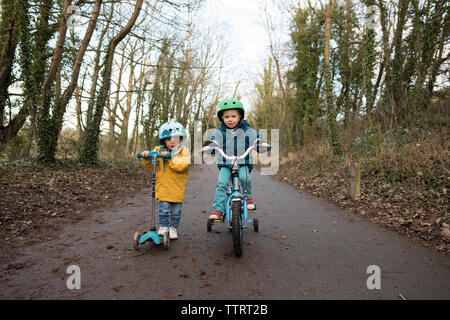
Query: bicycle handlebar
x=233, y=158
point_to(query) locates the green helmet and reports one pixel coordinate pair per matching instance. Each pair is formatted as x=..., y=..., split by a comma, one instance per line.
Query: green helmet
x=229, y=104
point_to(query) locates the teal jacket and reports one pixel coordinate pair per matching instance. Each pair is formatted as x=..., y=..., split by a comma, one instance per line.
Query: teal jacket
x=234, y=142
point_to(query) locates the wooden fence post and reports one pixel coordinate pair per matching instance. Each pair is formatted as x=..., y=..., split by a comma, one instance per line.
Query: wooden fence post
x=355, y=174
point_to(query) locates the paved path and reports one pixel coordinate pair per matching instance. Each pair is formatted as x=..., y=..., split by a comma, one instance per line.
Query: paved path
x=305, y=249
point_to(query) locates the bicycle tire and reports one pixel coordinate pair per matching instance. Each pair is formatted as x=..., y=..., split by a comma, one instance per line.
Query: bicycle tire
x=236, y=228
x=256, y=224
x=209, y=225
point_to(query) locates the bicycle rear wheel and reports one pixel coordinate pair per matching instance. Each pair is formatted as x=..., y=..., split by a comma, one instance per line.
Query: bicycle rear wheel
x=237, y=232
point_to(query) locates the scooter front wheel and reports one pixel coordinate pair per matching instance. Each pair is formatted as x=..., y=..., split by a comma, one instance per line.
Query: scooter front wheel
x=166, y=241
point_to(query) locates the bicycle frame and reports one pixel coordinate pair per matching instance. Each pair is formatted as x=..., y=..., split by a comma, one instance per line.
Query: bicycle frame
x=236, y=195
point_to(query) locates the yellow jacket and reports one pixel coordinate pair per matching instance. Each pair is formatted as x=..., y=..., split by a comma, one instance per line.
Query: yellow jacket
x=171, y=176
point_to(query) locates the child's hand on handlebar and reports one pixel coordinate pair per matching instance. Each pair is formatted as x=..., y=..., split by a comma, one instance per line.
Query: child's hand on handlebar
x=266, y=145
x=148, y=154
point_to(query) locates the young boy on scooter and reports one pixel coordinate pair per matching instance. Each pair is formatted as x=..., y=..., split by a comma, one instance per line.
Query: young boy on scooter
x=234, y=136
x=171, y=176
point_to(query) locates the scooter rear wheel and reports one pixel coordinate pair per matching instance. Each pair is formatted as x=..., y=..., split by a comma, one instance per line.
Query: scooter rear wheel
x=136, y=238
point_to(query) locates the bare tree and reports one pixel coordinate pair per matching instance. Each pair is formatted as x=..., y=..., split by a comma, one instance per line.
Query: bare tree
x=285, y=117
x=89, y=151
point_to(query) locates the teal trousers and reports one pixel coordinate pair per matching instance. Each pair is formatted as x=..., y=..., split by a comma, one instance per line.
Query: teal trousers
x=220, y=198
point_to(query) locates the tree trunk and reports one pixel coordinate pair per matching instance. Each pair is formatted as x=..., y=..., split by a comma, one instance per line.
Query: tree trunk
x=368, y=65
x=77, y=95
x=435, y=65
x=9, y=33
x=97, y=69
x=9, y=29
x=286, y=117
x=397, y=85
x=45, y=147
x=331, y=115
x=123, y=138
x=112, y=111
x=135, y=136
x=44, y=32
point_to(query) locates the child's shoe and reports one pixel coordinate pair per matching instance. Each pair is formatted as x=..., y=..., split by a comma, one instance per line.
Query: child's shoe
x=173, y=233
x=250, y=204
x=162, y=230
x=216, y=215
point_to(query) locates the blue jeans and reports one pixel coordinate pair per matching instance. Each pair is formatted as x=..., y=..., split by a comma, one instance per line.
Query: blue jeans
x=169, y=214
x=220, y=200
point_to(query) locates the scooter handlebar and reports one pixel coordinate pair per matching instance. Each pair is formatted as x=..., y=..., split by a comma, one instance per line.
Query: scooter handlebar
x=139, y=156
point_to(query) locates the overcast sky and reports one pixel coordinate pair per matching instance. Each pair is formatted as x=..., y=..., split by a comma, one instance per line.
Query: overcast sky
x=240, y=25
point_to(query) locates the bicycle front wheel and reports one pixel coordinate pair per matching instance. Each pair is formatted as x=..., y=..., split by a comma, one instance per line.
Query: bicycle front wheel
x=236, y=223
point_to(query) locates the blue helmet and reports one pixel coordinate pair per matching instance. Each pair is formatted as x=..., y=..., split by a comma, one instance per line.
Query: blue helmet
x=171, y=129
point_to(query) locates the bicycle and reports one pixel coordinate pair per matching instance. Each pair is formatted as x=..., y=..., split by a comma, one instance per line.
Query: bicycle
x=236, y=206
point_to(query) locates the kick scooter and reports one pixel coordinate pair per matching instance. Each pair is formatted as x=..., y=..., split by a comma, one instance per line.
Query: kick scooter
x=152, y=235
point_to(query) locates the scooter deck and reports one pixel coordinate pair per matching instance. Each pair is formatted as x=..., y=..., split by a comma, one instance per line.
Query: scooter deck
x=151, y=235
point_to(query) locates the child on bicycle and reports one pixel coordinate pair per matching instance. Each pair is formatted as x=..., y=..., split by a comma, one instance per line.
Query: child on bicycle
x=171, y=176
x=234, y=136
